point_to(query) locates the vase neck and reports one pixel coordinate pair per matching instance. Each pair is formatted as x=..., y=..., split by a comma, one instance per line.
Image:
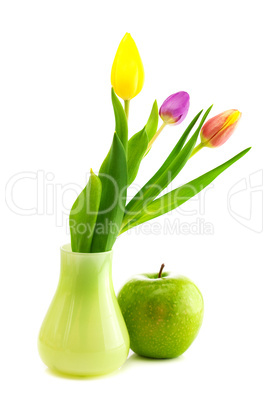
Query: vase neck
x=86, y=269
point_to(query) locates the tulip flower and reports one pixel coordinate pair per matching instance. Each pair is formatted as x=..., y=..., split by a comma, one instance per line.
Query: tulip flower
x=218, y=129
x=173, y=111
x=175, y=108
x=127, y=76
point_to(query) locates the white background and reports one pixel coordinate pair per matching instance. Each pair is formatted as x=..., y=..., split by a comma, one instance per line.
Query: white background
x=56, y=118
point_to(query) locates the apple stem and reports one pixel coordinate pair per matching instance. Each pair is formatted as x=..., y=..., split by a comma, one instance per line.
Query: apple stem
x=161, y=269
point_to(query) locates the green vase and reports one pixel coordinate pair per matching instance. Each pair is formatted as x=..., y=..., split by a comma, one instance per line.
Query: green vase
x=84, y=332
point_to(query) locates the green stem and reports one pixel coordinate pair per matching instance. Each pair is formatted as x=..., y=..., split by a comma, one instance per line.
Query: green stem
x=126, y=103
x=155, y=137
x=196, y=149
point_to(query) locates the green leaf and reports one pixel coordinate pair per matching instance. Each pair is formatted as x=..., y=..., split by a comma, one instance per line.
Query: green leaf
x=152, y=123
x=121, y=127
x=138, y=143
x=113, y=198
x=137, y=146
x=177, y=197
x=167, y=172
x=83, y=215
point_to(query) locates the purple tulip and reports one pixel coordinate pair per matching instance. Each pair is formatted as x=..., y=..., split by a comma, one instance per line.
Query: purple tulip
x=175, y=108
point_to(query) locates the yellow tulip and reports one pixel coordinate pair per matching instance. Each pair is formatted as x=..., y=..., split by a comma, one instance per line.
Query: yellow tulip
x=127, y=76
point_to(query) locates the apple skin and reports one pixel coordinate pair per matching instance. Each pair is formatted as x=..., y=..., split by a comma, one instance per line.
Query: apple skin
x=163, y=315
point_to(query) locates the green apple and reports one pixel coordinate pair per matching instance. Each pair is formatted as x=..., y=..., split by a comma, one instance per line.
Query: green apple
x=163, y=313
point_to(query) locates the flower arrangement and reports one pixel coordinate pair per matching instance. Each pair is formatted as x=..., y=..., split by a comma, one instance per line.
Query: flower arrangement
x=100, y=213
x=87, y=329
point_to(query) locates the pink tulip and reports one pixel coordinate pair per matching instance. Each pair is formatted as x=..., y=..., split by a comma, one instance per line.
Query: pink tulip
x=218, y=129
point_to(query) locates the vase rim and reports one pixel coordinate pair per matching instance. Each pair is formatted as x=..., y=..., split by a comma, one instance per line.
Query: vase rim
x=67, y=249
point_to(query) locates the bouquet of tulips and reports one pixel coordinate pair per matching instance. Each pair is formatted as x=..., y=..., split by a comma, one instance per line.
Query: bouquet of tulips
x=100, y=213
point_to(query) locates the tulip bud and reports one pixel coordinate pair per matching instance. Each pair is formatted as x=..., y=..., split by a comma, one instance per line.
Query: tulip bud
x=175, y=108
x=218, y=129
x=127, y=76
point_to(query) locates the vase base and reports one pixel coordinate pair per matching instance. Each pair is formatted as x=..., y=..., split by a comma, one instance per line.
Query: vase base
x=83, y=364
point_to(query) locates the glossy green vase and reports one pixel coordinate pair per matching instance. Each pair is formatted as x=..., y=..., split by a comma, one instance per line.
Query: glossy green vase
x=84, y=332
